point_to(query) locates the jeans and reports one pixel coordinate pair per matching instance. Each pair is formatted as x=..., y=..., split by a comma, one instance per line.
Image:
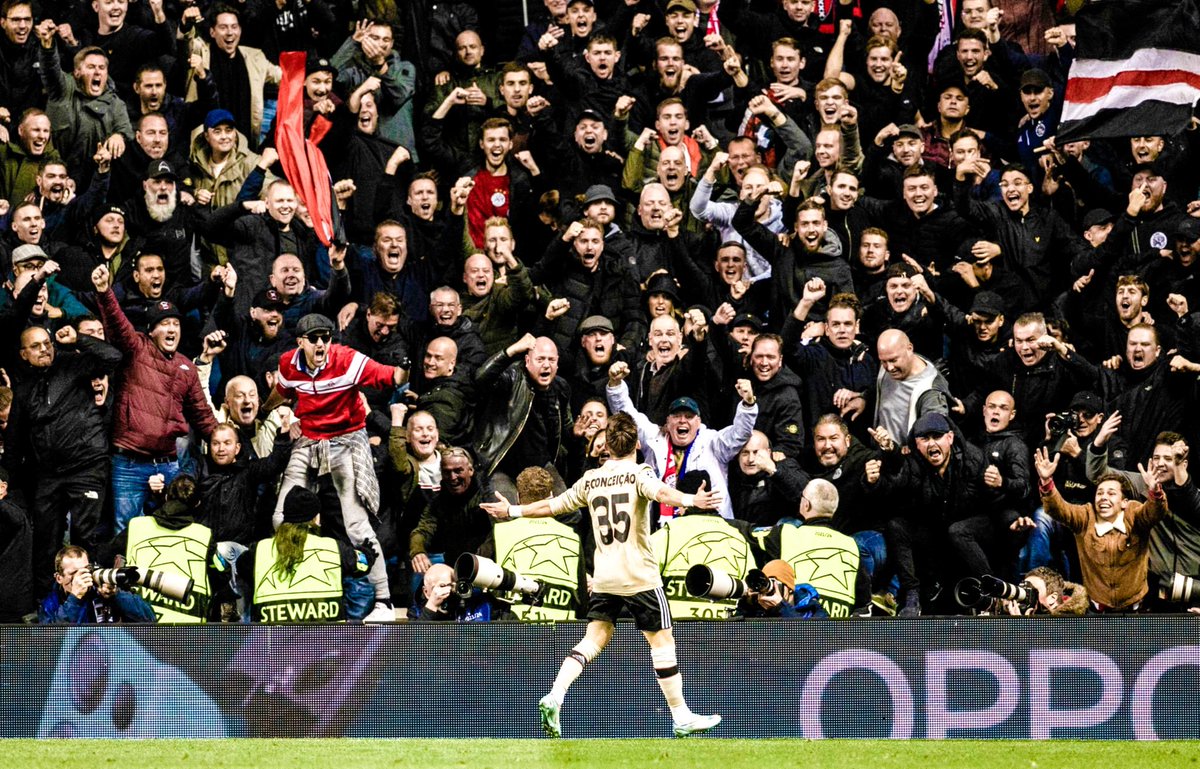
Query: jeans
x=355, y=517
x=872, y=551
x=131, y=484
x=1043, y=547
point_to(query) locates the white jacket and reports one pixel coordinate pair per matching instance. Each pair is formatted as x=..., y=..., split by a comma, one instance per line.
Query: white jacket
x=711, y=450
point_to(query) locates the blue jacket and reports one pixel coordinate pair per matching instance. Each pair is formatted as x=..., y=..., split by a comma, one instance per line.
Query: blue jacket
x=62, y=608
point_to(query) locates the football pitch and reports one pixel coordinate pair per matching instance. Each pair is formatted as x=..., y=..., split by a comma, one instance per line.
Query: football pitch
x=349, y=753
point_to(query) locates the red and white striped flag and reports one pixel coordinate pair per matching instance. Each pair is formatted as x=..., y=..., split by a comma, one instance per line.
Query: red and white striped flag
x=1136, y=70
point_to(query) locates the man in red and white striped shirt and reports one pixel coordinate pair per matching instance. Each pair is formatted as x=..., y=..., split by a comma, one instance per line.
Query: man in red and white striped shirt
x=324, y=380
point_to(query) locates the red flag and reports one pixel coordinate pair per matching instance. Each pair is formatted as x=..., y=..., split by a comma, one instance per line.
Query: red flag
x=299, y=155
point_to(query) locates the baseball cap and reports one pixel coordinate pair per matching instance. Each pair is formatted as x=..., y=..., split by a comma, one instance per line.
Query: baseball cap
x=1036, y=78
x=1086, y=400
x=1096, y=216
x=746, y=319
x=160, y=311
x=684, y=403
x=686, y=5
x=160, y=168
x=317, y=63
x=218, y=117
x=1187, y=229
x=27, y=252
x=595, y=323
x=931, y=423
x=589, y=114
x=598, y=192
x=313, y=322
x=268, y=299
x=908, y=129
x=987, y=303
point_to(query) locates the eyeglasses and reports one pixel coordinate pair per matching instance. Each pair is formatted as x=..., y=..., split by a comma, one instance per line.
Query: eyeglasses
x=318, y=336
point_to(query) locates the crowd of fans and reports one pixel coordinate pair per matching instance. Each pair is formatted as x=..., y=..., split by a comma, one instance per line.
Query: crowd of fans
x=828, y=254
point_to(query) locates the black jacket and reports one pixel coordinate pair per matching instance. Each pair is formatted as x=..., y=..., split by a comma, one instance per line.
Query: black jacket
x=1011, y=456
x=230, y=493
x=610, y=291
x=534, y=427
x=938, y=500
x=54, y=411
x=780, y=412
x=763, y=499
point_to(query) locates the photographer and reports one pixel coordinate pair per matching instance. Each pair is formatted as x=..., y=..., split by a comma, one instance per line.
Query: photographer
x=77, y=600
x=780, y=601
x=1055, y=595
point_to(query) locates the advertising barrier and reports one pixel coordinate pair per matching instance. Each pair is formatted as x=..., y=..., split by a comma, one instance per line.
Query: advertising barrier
x=1101, y=677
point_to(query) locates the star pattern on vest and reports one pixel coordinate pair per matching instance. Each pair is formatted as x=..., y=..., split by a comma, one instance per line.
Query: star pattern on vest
x=172, y=553
x=699, y=549
x=831, y=562
x=551, y=550
x=319, y=566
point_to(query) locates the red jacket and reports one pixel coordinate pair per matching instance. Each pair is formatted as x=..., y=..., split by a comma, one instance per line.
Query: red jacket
x=159, y=395
x=327, y=402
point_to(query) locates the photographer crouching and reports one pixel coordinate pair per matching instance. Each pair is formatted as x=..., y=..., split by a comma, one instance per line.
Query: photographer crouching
x=78, y=598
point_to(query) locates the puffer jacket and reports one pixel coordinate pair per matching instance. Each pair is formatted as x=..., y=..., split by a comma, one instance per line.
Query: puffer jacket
x=159, y=395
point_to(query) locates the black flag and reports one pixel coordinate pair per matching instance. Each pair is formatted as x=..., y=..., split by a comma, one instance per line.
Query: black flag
x=1136, y=69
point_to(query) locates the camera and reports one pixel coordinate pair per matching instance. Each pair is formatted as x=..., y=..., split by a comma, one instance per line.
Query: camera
x=471, y=571
x=1061, y=422
x=1183, y=589
x=972, y=593
x=174, y=586
x=705, y=582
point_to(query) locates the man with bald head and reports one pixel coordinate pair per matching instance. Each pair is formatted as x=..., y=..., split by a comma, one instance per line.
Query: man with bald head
x=443, y=395
x=527, y=421
x=496, y=307
x=655, y=233
x=63, y=440
x=901, y=386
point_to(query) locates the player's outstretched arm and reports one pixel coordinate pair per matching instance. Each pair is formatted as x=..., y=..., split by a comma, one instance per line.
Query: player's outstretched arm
x=501, y=510
x=703, y=498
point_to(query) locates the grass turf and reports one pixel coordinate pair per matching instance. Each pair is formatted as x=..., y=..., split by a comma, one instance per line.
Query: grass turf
x=533, y=754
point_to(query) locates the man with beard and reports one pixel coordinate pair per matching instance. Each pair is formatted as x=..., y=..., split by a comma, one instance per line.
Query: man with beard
x=151, y=97
x=333, y=435
x=63, y=439
x=1140, y=233
x=842, y=460
x=146, y=285
x=943, y=479
x=587, y=370
x=869, y=269
x=21, y=159
x=578, y=270
x=1104, y=326
x=905, y=308
x=1153, y=394
x=375, y=330
x=151, y=142
x=1111, y=533
x=496, y=308
x=84, y=111
x=527, y=421
x=1037, y=243
x=158, y=222
x=254, y=340
x=814, y=252
x=763, y=488
x=158, y=400
x=836, y=370
x=585, y=161
x=682, y=442
x=240, y=73
x=668, y=80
